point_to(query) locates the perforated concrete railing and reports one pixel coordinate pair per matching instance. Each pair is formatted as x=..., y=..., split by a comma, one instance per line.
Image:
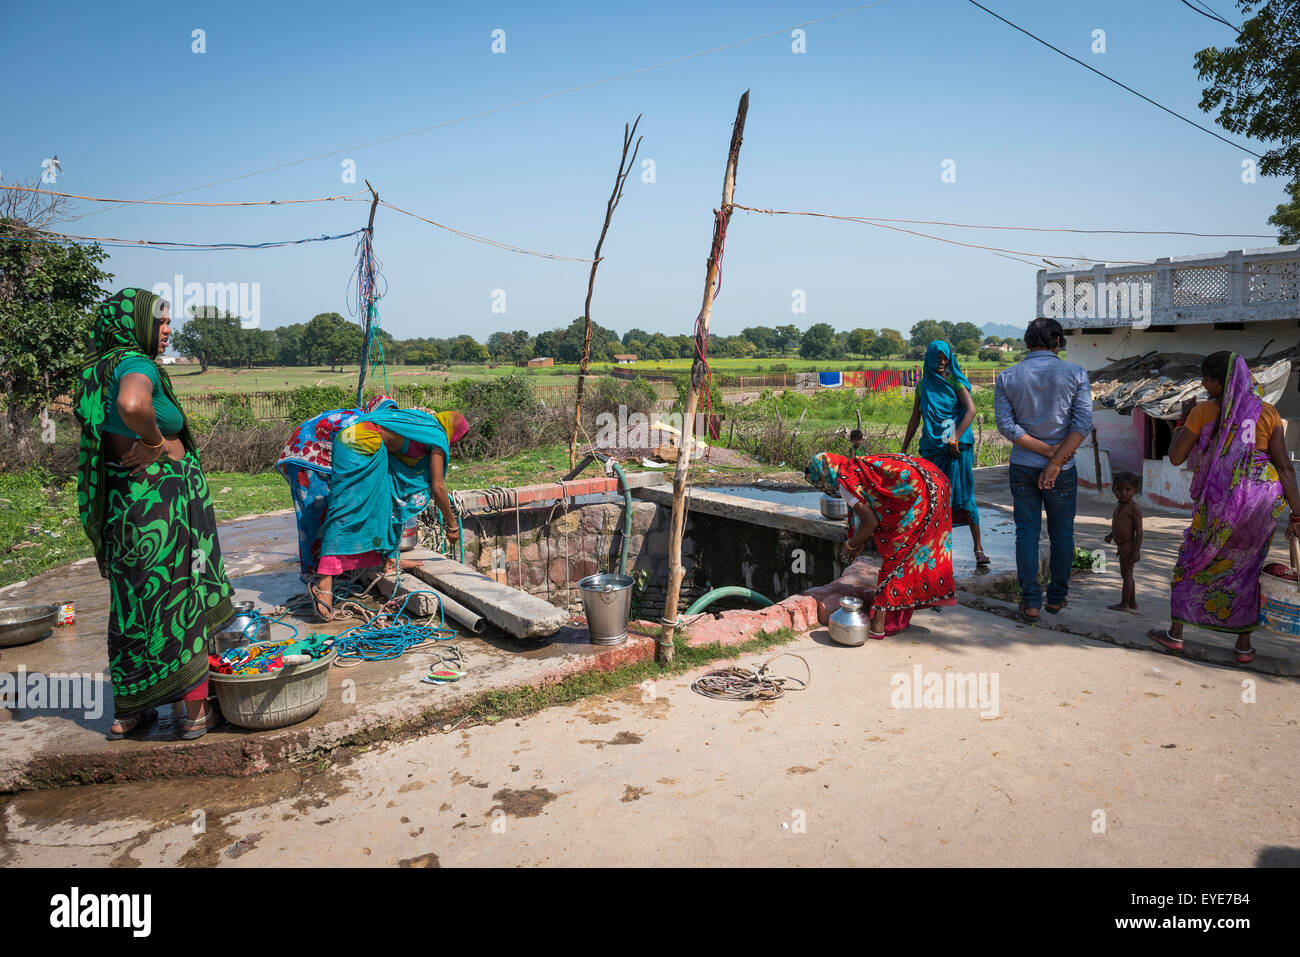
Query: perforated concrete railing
x=1240, y=286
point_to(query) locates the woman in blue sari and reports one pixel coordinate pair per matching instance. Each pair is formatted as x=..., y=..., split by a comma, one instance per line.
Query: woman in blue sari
x=944, y=409
x=386, y=465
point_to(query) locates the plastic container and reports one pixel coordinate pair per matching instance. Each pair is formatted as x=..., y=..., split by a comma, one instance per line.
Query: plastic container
x=1279, y=605
x=276, y=699
x=410, y=535
x=607, y=603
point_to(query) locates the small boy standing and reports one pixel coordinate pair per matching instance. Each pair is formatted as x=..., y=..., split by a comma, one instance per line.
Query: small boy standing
x=856, y=445
x=1126, y=534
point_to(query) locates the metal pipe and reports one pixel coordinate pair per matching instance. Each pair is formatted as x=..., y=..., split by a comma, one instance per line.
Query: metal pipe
x=459, y=613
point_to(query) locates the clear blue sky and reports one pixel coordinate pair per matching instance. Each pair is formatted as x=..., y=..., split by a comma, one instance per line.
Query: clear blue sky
x=859, y=124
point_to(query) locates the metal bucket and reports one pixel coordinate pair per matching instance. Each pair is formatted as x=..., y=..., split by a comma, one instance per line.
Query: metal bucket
x=607, y=603
x=410, y=535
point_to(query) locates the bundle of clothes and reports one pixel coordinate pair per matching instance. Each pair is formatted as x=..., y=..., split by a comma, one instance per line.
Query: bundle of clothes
x=267, y=656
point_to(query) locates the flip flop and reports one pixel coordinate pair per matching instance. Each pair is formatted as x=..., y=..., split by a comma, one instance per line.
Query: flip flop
x=872, y=634
x=1244, y=657
x=982, y=559
x=1057, y=609
x=1025, y=613
x=318, y=604
x=138, y=723
x=1165, y=639
x=192, y=728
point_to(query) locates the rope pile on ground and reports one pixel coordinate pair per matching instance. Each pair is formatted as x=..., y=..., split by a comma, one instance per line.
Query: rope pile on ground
x=743, y=684
x=390, y=633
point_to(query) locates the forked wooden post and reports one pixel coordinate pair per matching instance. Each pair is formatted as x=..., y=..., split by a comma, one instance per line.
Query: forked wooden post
x=624, y=168
x=681, y=477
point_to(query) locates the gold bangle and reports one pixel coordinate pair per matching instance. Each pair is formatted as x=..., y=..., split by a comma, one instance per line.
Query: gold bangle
x=158, y=446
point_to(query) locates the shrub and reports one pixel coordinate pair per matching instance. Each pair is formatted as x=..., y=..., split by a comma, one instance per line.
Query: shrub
x=610, y=393
x=250, y=449
x=308, y=401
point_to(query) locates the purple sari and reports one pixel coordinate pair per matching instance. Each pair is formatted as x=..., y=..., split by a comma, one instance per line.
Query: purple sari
x=1238, y=502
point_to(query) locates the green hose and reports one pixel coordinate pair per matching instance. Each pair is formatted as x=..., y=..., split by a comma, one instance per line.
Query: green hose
x=728, y=591
x=627, y=517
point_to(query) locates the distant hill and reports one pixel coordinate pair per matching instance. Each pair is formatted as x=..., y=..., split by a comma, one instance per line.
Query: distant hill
x=1002, y=329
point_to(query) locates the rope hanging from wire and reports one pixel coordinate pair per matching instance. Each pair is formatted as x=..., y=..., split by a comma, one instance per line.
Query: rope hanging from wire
x=738, y=683
x=366, y=286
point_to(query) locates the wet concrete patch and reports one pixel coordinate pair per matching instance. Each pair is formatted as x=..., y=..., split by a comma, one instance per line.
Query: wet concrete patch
x=519, y=803
x=424, y=860
x=623, y=737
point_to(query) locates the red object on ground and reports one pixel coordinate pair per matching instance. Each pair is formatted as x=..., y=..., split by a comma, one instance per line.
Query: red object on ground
x=1278, y=570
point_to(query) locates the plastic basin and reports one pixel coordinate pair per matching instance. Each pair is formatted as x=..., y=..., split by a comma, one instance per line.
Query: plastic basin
x=273, y=700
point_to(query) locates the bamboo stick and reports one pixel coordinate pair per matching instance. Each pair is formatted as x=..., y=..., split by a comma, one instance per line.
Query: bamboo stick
x=681, y=476
x=624, y=167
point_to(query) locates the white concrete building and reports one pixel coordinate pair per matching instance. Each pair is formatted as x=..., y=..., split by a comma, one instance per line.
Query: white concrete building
x=1247, y=301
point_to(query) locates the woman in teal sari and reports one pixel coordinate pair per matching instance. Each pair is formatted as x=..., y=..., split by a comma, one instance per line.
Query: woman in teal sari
x=943, y=407
x=385, y=466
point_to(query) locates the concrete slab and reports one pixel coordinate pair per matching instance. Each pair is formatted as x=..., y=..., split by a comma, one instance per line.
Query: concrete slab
x=515, y=612
x=41, y=748
x=790, y=518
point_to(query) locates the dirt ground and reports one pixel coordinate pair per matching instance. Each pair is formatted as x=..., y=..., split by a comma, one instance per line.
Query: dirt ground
x=1079, y=753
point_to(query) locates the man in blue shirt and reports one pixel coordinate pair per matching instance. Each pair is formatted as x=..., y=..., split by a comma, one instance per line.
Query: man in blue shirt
x=1043, y=404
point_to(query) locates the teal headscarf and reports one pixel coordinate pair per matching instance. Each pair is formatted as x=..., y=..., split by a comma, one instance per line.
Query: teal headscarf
x=372, y=496
x=941, y=407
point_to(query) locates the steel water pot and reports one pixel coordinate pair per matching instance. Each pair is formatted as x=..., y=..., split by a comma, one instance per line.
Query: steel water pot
x=847, y=624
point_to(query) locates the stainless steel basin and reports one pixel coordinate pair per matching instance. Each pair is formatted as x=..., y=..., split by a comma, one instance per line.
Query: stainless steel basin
x=24, y=624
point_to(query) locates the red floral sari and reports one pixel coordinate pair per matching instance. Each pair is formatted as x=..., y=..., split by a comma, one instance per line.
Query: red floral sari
x=914, y=537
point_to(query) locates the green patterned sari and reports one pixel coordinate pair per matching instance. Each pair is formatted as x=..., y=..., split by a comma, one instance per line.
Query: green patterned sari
x=154, y=534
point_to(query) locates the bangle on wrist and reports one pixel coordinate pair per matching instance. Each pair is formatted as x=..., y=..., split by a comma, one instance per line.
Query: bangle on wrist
x=148, y=446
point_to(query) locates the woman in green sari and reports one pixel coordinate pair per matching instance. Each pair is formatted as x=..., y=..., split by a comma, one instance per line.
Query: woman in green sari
x=145, y=506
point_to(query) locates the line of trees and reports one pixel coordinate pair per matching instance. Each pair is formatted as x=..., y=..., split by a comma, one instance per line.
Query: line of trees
x=216, y=338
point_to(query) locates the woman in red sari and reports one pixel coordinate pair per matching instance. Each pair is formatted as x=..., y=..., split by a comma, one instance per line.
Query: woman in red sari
x=904, y=505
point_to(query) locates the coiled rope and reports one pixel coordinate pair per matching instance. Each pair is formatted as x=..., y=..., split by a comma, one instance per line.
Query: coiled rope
x=742, y=684
x=390, y=633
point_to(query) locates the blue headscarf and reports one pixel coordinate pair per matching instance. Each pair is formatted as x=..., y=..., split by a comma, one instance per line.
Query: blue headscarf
x=941, y=407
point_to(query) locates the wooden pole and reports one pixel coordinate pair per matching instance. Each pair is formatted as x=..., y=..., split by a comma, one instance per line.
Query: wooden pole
x=370, y=301
x=624, y=167
x=681, y=476
x=1096, y=457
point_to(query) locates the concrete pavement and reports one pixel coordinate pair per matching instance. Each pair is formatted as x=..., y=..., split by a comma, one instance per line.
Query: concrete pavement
x=1081, y=754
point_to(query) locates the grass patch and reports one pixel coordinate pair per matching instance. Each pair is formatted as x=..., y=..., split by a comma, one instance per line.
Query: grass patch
x=506, y=703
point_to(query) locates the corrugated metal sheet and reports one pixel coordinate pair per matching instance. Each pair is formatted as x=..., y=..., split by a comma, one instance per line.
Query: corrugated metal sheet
x=1159, y=382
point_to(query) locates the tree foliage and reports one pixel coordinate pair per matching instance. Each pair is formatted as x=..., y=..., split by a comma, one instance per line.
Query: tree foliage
x=47, y=294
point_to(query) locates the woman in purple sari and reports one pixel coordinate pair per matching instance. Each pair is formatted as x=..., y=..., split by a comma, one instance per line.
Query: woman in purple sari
x=1244, y=480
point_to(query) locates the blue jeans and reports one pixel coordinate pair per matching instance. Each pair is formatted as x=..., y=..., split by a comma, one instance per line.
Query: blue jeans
x=1030, y=501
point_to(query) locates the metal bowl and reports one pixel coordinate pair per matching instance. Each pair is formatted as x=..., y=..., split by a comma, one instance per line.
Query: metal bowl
x=24, y=624
x=833, y=507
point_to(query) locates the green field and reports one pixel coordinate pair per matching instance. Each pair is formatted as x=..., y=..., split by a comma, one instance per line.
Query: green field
x=188, y=379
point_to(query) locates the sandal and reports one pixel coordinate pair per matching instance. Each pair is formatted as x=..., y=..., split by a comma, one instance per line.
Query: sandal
x=1025, y=613
x=1165, y=639
x=982, y=559
x=1055, y=609
x=192, y=728
x=1244, y=657
x=138, y=722
x=877, y=635
x=323, y=611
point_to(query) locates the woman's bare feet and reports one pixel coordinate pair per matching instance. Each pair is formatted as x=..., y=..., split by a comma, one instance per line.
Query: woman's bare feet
x=1122, y=607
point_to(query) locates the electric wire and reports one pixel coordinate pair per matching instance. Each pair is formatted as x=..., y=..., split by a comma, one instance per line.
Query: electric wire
x=1203, y=129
